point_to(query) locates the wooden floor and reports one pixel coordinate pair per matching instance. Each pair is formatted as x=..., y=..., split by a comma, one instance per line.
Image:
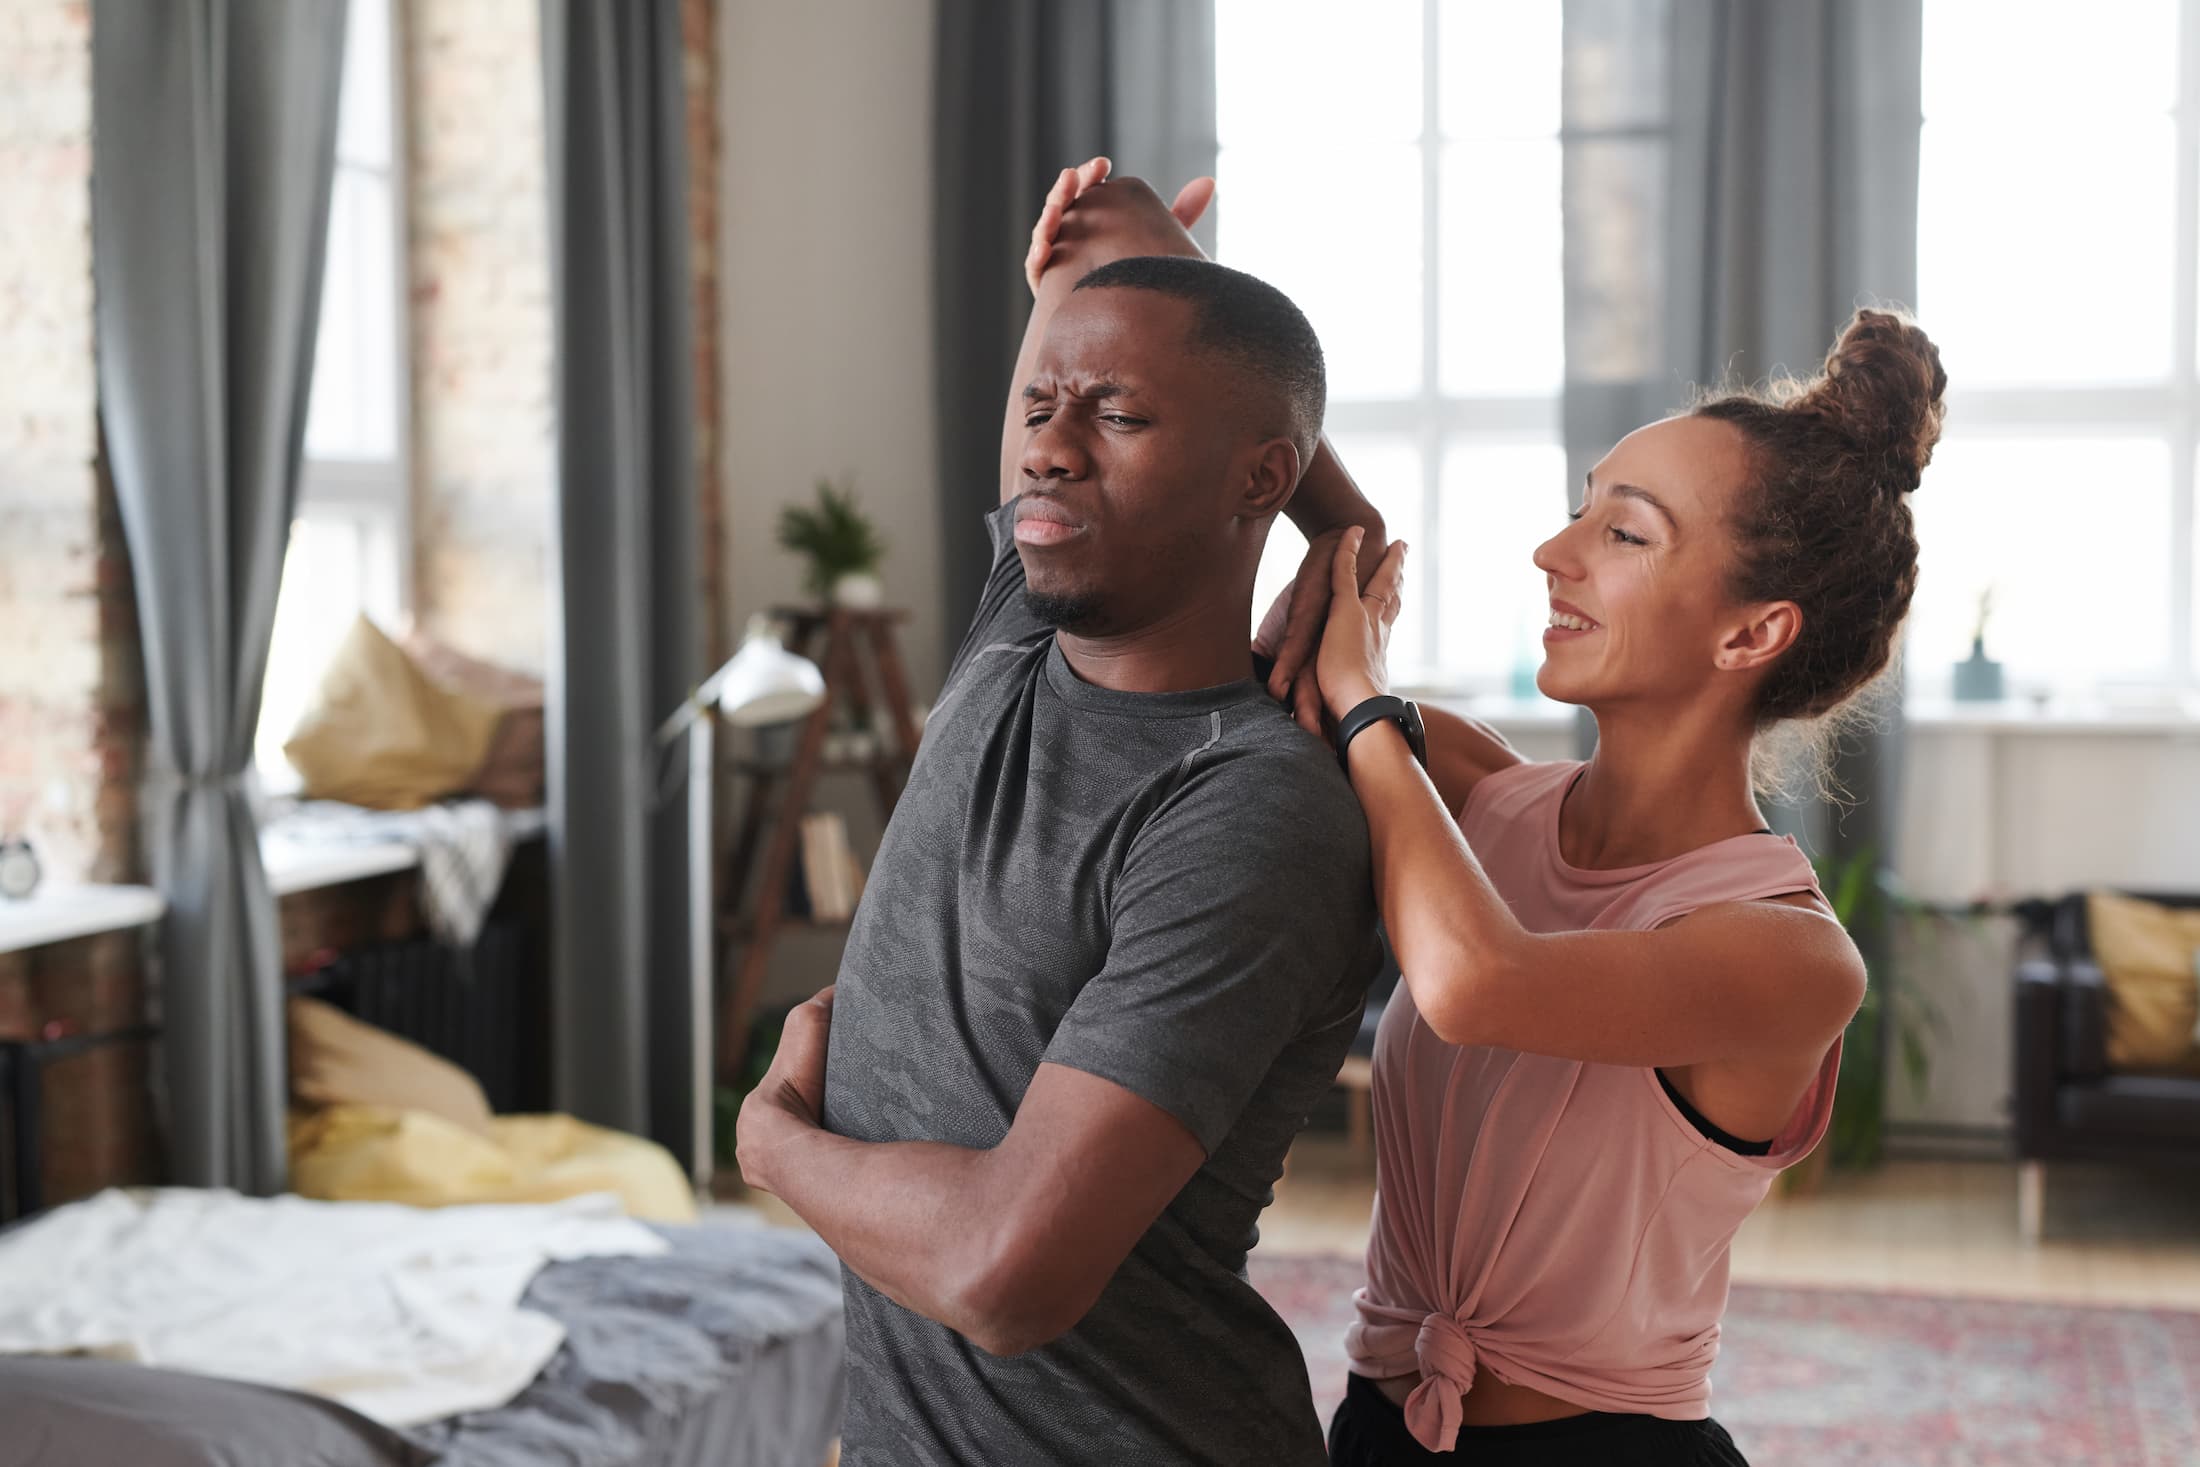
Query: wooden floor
x=2113, y=1235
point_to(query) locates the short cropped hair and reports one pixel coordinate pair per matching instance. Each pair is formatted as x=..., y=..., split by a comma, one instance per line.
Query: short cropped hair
x=1245, y=320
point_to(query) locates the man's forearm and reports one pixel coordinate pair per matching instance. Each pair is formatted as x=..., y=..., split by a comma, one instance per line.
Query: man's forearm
x=1328, y=499
x=909, y=1217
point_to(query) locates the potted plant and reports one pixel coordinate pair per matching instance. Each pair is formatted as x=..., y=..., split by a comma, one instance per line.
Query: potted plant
x=840, y=543
x=1978, y=677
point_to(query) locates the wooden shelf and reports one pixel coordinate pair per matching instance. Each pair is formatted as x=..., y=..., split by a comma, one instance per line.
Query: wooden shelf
x=741, y=929
x=776, y=768
x=817, y=616
x=857, y=650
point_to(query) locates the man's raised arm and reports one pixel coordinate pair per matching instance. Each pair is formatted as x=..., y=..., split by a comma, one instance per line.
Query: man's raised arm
x=1087, y=223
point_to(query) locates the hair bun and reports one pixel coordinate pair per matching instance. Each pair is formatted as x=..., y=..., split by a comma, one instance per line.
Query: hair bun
x=1882, y=389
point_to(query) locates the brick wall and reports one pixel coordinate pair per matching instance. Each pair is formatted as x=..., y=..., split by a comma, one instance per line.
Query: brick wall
x=699, y=40
x=483, y=419
x=484, y=453
x=71, y=672
x=71, y=668
x=69, y=678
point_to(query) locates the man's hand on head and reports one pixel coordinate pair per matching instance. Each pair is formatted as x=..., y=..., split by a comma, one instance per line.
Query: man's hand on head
x=791, y=1096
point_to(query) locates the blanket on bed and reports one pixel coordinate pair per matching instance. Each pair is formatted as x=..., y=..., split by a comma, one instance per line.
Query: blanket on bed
x=725, y=1351
x=405, y=1315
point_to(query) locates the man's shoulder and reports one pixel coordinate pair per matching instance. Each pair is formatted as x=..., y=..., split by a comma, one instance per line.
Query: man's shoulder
x=1264, y=771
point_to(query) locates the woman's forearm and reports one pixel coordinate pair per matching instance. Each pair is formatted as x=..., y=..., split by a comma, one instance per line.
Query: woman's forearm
x=1449, y=929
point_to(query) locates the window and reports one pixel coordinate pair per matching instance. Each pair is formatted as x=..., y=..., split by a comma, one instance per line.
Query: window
x=2058, y=268
x=349, y=544
x=1441, y=118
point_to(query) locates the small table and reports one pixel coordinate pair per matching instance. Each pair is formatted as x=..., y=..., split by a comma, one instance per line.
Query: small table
x=59, y=912
x=55, y=913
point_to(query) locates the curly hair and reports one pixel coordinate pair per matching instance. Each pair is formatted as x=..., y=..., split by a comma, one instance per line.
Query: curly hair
x=1824, y=520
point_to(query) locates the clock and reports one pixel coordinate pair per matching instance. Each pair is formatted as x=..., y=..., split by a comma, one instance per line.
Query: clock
x=18, y=869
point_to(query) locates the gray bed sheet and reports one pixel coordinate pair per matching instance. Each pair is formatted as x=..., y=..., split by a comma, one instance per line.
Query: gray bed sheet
x=726, y=1351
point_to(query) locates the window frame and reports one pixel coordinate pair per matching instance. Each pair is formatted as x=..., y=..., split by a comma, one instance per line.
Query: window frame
x=376, y=494
x=2166, y=410
x=372, y=496
x=1432, y=420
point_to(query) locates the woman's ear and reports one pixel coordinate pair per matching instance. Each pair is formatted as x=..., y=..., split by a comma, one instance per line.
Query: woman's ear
x=1771, y=629
x=1273, y=475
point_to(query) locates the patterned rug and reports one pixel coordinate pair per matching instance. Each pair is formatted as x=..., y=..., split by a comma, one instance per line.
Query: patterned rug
x=1825, y=1376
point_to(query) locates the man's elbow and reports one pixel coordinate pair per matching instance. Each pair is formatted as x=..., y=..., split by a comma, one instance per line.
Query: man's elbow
x=1014, y=1302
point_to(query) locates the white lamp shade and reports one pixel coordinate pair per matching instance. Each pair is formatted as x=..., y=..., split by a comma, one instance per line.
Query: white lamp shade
x=764, y=683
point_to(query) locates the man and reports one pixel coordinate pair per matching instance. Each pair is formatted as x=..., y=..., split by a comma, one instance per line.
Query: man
x=1119, y=930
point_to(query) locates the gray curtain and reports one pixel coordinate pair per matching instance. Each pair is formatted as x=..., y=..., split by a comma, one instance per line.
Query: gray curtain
x=215, y=138
x=1738, y=178
x=1024, y=88
x=628, y=603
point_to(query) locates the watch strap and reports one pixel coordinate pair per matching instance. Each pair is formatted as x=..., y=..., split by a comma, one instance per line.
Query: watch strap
x=1383, y=708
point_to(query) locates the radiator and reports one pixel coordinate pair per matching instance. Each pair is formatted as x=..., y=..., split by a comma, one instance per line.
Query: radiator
x=477, y=1008
x=483, y=1010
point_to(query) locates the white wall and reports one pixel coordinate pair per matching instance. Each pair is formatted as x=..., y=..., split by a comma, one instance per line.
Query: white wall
x=826, y=274
x=2033, y=809
x=826, y=264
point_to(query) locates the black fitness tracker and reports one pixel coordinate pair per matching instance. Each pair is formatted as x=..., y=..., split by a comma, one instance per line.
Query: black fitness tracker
x=1384, y=709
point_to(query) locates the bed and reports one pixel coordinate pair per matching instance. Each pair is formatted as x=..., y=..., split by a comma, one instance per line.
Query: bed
x=724, y=1350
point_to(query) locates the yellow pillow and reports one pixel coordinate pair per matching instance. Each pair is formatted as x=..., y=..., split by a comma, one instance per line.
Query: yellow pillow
x=2148, y=953
x=371, y=1153
x=337, y=1060
x=381, y=733
x=375, y=1153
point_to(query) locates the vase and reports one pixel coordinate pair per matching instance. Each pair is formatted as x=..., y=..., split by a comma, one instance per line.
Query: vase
x=1978, y=677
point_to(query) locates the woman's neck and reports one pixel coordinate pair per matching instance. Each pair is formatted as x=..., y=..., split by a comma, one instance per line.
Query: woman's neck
x=1662, y=783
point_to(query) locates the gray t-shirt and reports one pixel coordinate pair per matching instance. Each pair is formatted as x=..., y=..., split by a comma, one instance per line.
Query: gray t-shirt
x=1167, y=890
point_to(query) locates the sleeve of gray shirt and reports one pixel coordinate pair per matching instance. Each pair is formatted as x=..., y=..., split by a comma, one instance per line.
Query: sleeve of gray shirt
x=1243, y=918
x=1002, y=615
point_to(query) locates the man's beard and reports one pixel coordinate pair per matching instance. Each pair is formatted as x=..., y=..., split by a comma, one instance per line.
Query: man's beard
x=1072, y=612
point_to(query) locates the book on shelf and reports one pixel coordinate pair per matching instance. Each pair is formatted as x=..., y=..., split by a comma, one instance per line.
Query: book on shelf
x=820, y=866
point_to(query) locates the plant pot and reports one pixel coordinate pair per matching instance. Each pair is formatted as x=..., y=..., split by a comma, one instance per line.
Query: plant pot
x=1978, y=677
x=858, y=591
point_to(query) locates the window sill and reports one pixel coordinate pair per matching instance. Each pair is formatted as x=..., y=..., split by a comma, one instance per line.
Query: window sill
x=59, y=912
x=2172, y=716
x=296, y=862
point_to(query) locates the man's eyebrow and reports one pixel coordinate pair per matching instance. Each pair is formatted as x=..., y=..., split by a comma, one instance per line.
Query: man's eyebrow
x=1096, y=390
x=1630, y=491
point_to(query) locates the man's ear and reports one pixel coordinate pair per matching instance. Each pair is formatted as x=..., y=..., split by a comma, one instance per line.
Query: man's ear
x=1770, y=631
x=1270, y=478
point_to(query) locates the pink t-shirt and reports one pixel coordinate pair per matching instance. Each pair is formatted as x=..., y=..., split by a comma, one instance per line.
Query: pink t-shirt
x=1561, y=1223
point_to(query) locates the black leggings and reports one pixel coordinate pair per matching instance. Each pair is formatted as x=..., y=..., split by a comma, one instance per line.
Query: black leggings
x=1369, y=1430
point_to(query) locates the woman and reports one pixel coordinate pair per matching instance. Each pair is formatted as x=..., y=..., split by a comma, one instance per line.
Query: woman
x=1623, y=996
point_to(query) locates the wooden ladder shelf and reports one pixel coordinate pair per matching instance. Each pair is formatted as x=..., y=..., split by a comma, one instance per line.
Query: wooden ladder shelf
x=779, y=795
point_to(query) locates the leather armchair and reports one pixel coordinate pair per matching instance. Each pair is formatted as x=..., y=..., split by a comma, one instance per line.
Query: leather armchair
x=2069, y=1105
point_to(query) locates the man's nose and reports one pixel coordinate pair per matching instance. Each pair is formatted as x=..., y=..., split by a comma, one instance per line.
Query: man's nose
x=1053, y=451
